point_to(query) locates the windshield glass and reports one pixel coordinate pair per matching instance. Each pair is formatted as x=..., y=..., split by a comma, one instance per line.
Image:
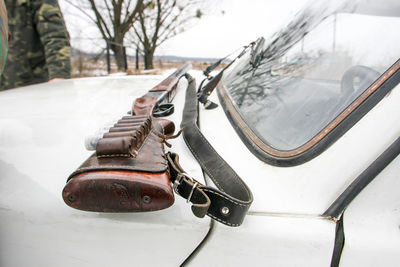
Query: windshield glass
x=307, y=74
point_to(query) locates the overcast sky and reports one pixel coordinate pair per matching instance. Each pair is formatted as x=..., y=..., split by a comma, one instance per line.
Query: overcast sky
x=242, y=22
x=214, y=35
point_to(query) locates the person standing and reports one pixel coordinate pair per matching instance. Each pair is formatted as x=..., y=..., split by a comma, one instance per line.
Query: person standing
x=3, y=35
x=39, y=47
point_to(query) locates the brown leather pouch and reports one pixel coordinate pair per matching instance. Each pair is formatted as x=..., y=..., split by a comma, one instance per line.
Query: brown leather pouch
x=128, y=172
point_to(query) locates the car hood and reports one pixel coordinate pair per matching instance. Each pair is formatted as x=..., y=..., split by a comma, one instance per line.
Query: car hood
x=42, y=132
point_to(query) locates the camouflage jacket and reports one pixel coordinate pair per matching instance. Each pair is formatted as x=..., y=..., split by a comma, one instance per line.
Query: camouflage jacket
x=4, y=35
x=39, y=48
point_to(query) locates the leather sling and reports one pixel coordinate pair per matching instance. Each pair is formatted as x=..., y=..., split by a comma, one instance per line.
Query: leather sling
x=230, y=201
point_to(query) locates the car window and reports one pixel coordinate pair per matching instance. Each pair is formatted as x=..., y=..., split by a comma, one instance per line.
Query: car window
x=308, y=75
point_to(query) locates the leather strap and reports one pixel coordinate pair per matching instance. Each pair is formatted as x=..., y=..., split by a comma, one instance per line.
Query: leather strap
x=230, y=202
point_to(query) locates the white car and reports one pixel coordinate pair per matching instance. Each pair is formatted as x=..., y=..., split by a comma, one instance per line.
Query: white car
x=309, y=120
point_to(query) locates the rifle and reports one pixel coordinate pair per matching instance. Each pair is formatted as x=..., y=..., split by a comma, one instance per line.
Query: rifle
x=129, y=171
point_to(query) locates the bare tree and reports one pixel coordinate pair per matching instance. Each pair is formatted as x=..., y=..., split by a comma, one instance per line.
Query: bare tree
x=160, y=21
x=113, y=18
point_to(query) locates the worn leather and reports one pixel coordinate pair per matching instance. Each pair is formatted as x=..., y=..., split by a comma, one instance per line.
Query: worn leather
x=116, y=147
x=144, y=106
x=168, y=84
x=188, y=188
x=167, y=125
x=128, y=172
x=118, y=134
x=150, y=159
x=231, y=201
x=119, y=191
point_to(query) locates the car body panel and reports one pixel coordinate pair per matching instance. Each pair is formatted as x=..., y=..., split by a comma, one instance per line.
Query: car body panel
x=270, y=240
x=42, y=133
x=41, y=143
x=43, y=128
x=299, y=195
x=311, y=187
x=372, y=222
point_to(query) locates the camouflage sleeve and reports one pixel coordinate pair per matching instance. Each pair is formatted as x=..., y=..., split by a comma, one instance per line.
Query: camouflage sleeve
x=54, y=37
x=4, y=36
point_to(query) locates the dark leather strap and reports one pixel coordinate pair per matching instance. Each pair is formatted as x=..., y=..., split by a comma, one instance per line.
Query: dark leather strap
x=230, y=202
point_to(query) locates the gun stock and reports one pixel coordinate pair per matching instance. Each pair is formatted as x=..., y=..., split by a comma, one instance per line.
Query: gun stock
x=129, y=172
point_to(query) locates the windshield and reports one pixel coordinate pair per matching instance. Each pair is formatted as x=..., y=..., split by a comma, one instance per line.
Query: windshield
x=307, y=74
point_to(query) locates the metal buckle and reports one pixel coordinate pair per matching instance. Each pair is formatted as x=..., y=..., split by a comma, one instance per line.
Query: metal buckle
x=178, y=180
x=191, y=192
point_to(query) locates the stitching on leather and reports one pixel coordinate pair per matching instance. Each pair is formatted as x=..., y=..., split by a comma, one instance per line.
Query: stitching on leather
x=137, y=151
x=106, y=166
x=208, y=171
x=114, y=155
x=234, y=173
x=115, y=166
x=213, y=192
x=212, y=149
x=216, y=153
x=144, y=141
x=222, y=221
x=203, y=165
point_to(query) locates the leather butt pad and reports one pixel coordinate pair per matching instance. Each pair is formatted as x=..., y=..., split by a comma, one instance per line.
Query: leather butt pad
x=119, y=191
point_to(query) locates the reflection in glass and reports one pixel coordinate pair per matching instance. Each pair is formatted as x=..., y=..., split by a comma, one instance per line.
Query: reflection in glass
x=310, y=72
